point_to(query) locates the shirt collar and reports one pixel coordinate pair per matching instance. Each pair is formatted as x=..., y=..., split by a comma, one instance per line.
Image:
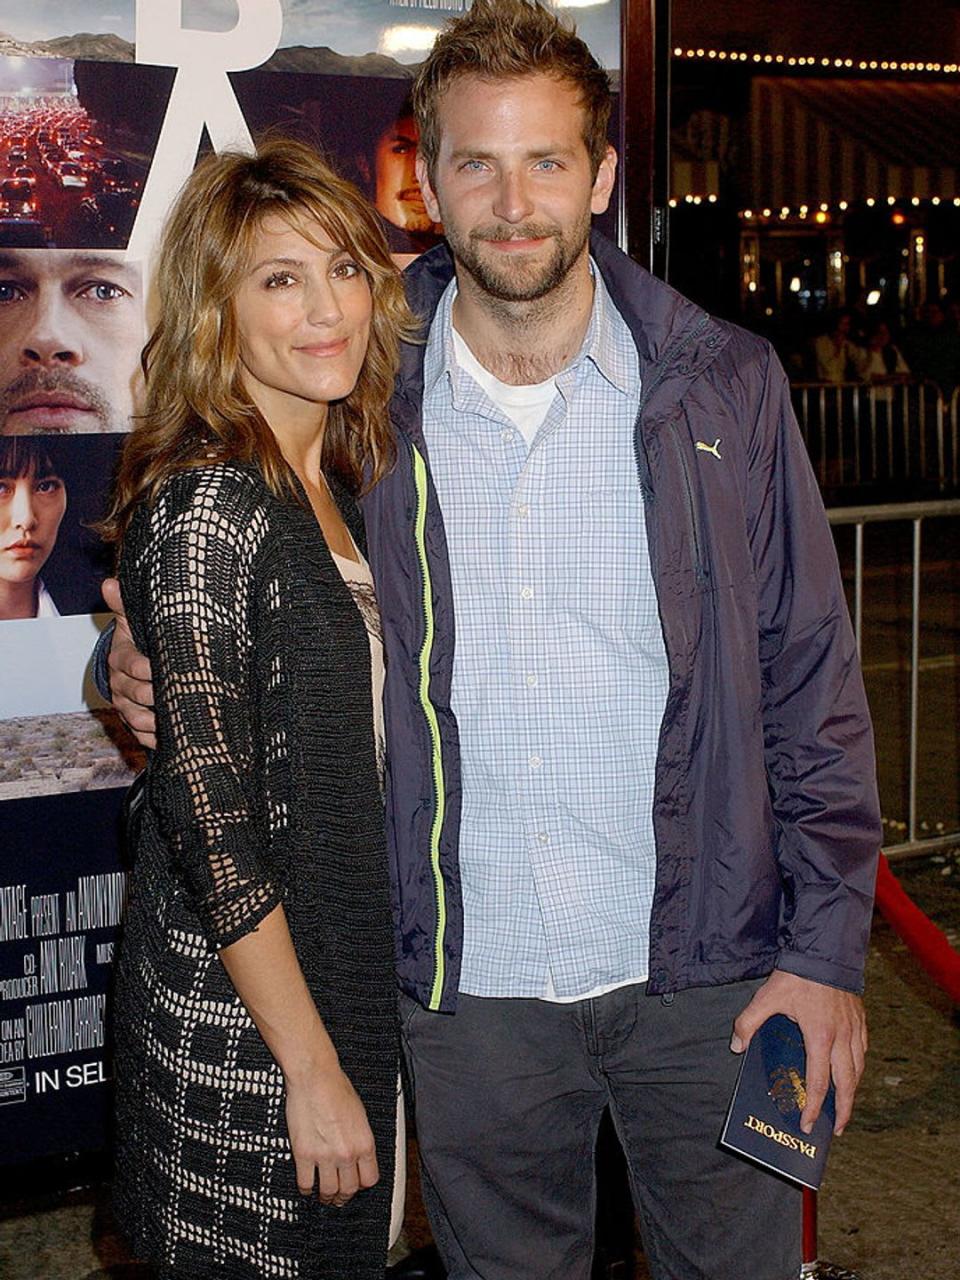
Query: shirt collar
x=607, y=344
x=45, y=606
x=439, y=358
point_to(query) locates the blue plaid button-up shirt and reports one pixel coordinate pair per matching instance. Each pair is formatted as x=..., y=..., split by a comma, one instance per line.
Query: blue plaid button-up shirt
x=560, y=674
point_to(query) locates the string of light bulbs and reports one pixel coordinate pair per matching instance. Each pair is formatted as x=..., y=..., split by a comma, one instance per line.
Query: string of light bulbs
x=808, y=60
x=823, y=212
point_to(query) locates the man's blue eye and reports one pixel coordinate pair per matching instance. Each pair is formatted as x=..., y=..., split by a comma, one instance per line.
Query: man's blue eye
x=103, y=291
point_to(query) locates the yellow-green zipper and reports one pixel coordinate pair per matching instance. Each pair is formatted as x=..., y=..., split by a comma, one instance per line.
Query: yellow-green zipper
x=426, y=650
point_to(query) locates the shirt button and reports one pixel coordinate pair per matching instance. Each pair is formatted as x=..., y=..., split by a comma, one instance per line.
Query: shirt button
x=506, y=436
x=526, y=593
x=531, y=682
x=535, y=762
x=543, y=837
x=523, y=510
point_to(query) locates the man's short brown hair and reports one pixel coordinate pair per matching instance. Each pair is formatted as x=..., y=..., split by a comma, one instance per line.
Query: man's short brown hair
x=504, y=40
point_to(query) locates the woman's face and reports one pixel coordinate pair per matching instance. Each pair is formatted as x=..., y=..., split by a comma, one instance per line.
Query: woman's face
x=881, y=336
x=31, y=509
x=303, y=314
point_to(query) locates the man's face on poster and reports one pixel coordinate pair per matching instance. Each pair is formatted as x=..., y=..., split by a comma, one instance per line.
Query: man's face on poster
x=396, y=189
x=71, y=331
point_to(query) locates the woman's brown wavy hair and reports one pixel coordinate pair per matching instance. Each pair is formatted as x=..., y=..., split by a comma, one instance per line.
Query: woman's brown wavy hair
x=196, y=405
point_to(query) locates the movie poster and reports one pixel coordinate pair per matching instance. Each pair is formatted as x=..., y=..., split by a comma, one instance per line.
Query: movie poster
x=62, y=895
x=365, y=37
x=105, y=106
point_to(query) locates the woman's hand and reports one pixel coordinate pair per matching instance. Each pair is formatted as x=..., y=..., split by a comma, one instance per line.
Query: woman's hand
x=330, y=1137
x=326, y=1121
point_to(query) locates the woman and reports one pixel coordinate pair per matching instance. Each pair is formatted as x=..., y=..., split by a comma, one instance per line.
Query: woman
x=256, y=1036
x=33, y=500
x=835, y=352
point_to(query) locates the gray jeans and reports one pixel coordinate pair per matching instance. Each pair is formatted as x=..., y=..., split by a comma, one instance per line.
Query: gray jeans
x=509, y=1095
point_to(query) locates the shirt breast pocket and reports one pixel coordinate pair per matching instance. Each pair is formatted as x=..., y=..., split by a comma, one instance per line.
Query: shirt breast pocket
x=611, y=581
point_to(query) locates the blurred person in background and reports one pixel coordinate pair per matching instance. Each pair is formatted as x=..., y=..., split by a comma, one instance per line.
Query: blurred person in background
x=934, y=349
x=835, y=353
x=880, y=360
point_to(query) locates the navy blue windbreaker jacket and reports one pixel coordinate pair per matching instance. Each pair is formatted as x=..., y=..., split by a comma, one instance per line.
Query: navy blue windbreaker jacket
x=765, y=811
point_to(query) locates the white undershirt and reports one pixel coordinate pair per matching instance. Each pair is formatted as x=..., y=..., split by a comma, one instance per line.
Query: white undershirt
x=526, y=407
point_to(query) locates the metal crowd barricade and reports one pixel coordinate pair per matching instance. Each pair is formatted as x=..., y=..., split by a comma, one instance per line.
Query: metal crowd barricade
x=860, y=434
x=916, y=512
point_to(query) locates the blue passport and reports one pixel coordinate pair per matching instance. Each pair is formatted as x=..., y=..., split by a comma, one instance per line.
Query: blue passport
x=763, y=1122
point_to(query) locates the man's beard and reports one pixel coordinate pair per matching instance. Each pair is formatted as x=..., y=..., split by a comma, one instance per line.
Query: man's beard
x=513, y=279
x=410, y=213
x=417, y=223
x=63, y=380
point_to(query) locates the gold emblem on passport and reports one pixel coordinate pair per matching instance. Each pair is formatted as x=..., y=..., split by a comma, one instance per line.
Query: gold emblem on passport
x=787, y=1090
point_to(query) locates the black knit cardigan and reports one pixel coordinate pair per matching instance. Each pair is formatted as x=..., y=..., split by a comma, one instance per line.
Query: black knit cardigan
x=263, y=789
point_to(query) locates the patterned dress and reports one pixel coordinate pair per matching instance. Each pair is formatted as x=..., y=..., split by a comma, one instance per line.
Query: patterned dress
x=263, y=789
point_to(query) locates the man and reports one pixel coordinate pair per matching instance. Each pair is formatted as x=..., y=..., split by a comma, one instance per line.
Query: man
x=394, y=186
x=71, y=330
x=633, y=806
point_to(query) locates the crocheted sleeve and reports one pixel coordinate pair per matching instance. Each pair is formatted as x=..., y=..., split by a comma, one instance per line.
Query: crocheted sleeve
x=187, y=575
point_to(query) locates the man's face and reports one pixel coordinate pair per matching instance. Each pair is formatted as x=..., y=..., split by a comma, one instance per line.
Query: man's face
x=31, y=508
x=512, y=184
x=397, y=191
x=71, y=330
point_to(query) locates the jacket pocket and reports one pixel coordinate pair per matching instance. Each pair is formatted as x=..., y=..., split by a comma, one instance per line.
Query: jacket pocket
x=701, y=572
x=700, y=526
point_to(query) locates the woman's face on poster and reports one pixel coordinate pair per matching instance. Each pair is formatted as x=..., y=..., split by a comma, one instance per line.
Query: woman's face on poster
x=31, y=509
